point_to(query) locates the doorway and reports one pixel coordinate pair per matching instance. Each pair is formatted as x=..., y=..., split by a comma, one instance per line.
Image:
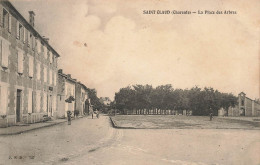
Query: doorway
x=18, y=105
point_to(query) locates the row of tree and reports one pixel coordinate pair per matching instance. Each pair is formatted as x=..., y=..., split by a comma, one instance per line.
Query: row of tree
x=200, y=101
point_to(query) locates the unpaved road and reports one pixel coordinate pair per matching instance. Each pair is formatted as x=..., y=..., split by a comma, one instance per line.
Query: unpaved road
x=89, y=141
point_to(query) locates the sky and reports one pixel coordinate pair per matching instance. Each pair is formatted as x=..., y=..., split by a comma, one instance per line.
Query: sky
x=108, y=45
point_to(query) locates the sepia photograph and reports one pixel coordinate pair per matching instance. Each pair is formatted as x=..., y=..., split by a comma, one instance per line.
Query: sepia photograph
x=129, y=82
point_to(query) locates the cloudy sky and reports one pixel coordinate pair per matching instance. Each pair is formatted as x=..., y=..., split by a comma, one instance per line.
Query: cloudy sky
x=125, y=46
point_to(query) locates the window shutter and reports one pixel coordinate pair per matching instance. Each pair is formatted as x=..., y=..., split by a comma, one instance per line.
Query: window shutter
x=30, y=97
x=1, y=18
x=20, y=61
x=5, y=53
x=50, y=76
x=17, y=30
x=54, y=78
x=9, y=22
x=38, y=71
x=45, y=52
x=51, y=57
x=45, y=74
x=44, y=102
x=24, y=34
x=30, y=66
x=28, y=38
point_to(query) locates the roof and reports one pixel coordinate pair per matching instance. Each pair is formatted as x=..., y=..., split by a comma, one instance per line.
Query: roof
x=67, y=77
x=26, y=24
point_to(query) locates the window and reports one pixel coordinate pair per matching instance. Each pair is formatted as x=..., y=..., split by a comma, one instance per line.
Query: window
x=38, y=46
x=50, y=74
x=38, y=71
x=45, y=52
x=29, y=38
x=242, y=102
x=9, y=23
x=45, y=74
x=5, y=19
x=44, y=102
x=51, y=57
x=20, y=61
x=4, y=52
x=3, y=99
x=32, y=41
x=19, y=30
x=38, y=101
x=30, y=66
x=30, y=98
x=24, y=34
x=54, y=78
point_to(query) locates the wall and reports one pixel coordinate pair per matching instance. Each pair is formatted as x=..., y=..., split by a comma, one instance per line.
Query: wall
x=27, y=80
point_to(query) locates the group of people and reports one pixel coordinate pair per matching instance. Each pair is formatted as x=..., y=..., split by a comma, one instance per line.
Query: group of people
x=69, y=115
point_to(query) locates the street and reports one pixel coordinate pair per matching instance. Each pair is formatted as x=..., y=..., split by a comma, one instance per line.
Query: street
x=94, y=141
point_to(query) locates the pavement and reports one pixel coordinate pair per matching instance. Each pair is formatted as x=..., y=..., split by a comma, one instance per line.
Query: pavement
x=94, y=141
x=22, y=128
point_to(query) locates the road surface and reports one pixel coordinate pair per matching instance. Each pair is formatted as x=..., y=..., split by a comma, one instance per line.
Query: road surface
x=94, y=141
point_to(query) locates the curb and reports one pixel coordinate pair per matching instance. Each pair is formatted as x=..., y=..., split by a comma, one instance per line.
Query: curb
x=20, y=132
x=114, y=125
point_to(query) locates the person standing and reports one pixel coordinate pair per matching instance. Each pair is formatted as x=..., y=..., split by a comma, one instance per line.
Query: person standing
x=97, y=113
x=210, y=116
x=69, y=117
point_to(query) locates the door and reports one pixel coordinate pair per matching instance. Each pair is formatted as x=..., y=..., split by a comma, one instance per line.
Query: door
x=50, y=113
x=18, y=105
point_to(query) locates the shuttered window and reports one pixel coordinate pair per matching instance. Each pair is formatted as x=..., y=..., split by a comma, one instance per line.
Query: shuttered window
x=38, y=46
x=50, y=75
x=45, y=74
x=4, y=52
x=38, y=71
x=54, y=78
x=38, y=101
x=20, y=58
x=9, y=22
x=45, y=102
x=24, y=35
x=30, y=66
x=45, y=52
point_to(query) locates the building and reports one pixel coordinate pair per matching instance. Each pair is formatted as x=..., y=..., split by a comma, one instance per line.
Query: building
x=66, y=92
x=245, y=107
x=28, y=70
x=82, y=99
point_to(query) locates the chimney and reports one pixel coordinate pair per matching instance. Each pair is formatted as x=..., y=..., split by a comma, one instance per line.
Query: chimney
x=60, y=71
x=69, y=75
x=31, y=18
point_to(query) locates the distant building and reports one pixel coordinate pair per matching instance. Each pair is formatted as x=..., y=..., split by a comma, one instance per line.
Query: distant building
x=82, y=99
x=28, y=70
x=244, y=107
x=105, y=100
x=66, y=90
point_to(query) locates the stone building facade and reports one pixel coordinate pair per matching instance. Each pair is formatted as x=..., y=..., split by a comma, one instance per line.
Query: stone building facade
x=28, y=70
x=82, y=99
x=245, y=107
x=66, y=89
